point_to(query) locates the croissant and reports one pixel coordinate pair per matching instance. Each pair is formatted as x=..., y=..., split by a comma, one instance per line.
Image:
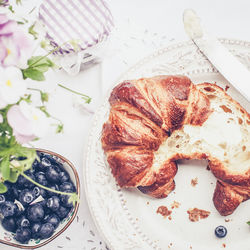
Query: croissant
x=154, y=122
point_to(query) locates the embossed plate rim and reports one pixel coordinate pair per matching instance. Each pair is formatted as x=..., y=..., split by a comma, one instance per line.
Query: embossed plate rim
x=90, y=196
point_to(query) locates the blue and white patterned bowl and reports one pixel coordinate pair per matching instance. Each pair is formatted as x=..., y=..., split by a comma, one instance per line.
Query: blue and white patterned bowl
x=8, y=237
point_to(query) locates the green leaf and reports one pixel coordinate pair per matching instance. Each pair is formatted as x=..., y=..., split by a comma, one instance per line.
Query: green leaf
x=74, y=198
x=22, y=158
x=44, y=96
x=41, y=67
x=5, y=168
x=248, y=223
x=33, y=32
x=34, y=61
x=87, y=100
x=27, y=98
x=59, y=128
x=11, y=9
x=3, y=188
x=43, y=109
x=13, y=176
x=33, y=74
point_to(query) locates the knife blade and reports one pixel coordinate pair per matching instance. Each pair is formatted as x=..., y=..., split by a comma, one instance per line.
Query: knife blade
x=226, y=63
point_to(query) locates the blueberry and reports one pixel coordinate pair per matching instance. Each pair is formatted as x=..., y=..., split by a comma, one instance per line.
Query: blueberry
x=43, y=203
x=220, y=231
x=20, y=209
x=26, y=197
x=65, y=200
x=41, y=178
x=9, y=193
x=46, y=230
x=2, y=199
x=53, y=203
x=67, y=186
x=15, y=192
x=12, y=192
x=9, y=224
x=39, y=191
x=8, y=209
x=22, y=182
x=23, y=235
x=35, y=213
x=35, y=230
x=53, y=219
x=45, y=162
x=46, y=216
x=55, y=187
x=36, y=191
x=41, y=165
x=52, y=159
x=53, y=173
x=64, y=176
x=22, y=222
x=36, y=166
x=62, y=212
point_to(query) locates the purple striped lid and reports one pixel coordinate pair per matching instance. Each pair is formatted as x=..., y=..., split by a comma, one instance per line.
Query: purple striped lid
x=86, y=22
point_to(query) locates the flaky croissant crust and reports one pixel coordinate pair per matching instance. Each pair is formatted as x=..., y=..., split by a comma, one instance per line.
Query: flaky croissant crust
x=143, y=114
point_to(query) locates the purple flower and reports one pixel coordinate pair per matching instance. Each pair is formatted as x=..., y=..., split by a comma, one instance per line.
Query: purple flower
x=15, y=44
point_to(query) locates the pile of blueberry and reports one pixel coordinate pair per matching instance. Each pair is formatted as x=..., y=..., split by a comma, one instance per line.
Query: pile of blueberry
x=32, y=212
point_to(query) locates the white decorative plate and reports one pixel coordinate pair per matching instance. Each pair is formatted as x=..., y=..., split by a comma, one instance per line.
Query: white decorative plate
x=127, y=219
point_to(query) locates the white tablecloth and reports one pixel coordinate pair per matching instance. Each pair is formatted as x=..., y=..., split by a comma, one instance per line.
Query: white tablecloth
x=141, y=26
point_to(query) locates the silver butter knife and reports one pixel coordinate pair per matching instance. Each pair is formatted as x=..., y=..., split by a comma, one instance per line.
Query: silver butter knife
x=227, y=64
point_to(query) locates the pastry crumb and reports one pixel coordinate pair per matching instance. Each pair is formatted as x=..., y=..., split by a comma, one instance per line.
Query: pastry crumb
x=194, y=181
x=147, y=202
x=175, y=204
x=224, y=245
x=170, y=245
x=227, y=220
x=196, y=214
x=208, y=168
x=226, y=88
x=191, y=247
x=170, y=217
x=163, y=210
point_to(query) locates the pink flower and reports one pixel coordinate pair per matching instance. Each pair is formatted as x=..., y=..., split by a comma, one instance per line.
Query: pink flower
x=15, y=44
x=27, y=122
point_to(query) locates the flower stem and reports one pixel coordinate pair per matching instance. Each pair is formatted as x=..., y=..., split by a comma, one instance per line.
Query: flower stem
x=41, y=58
x=44, y=187
x=34, y=89
x=85, y=97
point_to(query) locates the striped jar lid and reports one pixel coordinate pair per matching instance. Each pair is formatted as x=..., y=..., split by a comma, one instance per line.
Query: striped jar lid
x=86, y=22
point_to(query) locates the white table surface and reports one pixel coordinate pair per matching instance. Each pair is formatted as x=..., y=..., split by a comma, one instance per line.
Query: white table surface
x=141, y=26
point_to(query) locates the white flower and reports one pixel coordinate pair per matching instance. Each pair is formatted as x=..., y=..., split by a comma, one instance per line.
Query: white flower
x=12, y=86
x=27, y=122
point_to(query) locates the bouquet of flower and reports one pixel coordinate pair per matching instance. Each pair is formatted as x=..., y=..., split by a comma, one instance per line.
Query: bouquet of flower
x=22, y=119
